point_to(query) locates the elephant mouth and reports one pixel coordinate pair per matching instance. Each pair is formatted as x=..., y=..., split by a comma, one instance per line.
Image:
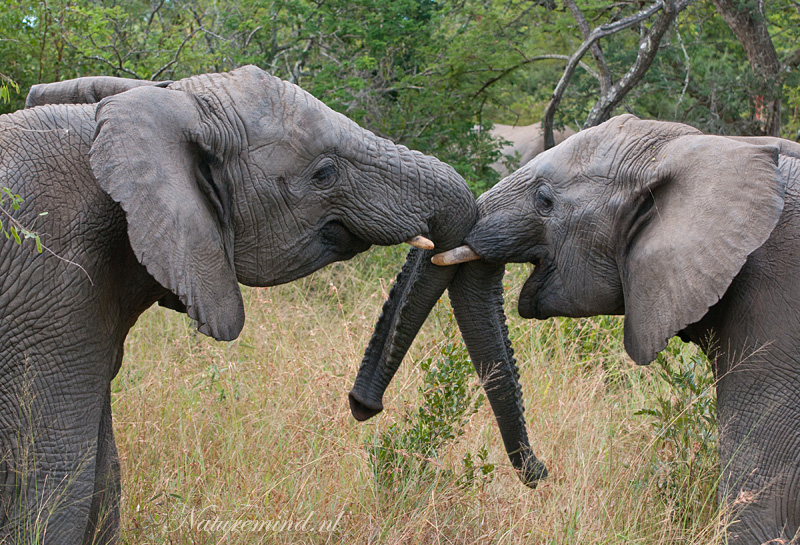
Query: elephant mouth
x=529, y=301
x=341, y=242
x=529, y=305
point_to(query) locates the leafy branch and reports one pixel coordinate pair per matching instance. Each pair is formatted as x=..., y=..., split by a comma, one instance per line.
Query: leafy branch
x=6, y=85
x=12, y=228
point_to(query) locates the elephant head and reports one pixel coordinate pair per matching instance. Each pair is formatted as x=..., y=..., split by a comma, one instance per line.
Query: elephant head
x=242, y=177
x=645, y=218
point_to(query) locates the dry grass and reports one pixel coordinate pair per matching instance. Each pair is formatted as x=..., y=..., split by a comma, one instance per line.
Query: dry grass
x=259, y=429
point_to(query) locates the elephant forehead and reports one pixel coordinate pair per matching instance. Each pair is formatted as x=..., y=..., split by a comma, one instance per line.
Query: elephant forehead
x=293, y=134
x=554, y=164
x=266, y=110
x=591, y=156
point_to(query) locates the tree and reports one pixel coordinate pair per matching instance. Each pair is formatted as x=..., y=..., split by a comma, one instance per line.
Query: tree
x=747, y=19
x=432, y=74
x=611, y=94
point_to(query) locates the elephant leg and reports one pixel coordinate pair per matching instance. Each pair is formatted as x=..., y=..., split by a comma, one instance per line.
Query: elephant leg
x=49, y=454
x=103, y=524
x=760, y=455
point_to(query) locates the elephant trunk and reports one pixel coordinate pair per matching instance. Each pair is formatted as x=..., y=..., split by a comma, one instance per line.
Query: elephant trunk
x=451, y=214
x=477, y=297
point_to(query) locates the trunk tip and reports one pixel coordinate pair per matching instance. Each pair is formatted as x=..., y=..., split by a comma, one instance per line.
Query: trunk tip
x=361, y=410
x=532, y=471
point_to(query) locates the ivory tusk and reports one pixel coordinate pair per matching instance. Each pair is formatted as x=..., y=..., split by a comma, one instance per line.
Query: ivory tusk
x=420, y=242
x=462, y=254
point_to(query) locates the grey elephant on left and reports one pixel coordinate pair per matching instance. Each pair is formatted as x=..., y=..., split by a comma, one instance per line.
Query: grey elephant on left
x=176, y=194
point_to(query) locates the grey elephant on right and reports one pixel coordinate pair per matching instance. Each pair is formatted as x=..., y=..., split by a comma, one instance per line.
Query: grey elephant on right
x=527, y=141
x=685, y=234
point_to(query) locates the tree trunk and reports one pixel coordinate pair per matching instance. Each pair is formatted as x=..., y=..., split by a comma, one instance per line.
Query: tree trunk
x=747, y=21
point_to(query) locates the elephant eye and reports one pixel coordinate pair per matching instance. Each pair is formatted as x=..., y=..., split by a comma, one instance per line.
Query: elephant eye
x=543, y=200
x=325, y=175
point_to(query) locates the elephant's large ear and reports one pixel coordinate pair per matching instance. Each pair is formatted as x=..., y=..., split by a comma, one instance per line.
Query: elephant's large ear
x=148, y=155
x=709, y=203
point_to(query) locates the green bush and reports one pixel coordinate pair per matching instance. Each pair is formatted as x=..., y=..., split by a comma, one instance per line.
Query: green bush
x=409, y=449
x=684, y=455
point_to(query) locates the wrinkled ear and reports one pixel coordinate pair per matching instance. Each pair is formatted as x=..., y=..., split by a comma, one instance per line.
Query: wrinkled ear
x=147, y=155
x=710, y=201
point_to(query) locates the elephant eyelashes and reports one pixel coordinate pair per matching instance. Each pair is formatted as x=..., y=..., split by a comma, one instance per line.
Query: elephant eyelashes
x=326, y=175
x=543, y=200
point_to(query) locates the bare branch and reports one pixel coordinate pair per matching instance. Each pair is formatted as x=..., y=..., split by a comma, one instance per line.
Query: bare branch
x=250, y=36
x=529, y=60
x=155, y=12
x=112, y=65
x=604, y=76
x=161, y=70
x=648, y=47
x=598, y=33
x=688, y=65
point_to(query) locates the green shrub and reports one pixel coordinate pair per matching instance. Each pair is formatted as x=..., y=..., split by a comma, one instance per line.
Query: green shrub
x=684, y=455
x=409, y=449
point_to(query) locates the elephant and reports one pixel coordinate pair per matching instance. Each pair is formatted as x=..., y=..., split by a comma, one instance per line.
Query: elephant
x=684, y=234
x=175, y=193
x=527, y=141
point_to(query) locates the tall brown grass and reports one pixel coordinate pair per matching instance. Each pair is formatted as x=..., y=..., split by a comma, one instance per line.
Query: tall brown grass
x=259, y=430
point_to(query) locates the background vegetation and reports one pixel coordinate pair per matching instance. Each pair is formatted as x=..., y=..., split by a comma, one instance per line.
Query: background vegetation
x=259, y=429
x=425, y=72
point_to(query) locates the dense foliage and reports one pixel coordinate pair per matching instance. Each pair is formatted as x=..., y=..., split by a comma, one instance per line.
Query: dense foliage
x=421, y=72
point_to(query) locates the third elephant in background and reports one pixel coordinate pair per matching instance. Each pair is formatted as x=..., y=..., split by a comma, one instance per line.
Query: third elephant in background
x=524, y=141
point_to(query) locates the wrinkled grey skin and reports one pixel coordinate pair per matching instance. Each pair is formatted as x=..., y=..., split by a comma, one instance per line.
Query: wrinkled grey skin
x=175, y=194
x=527, y=141
x=685, y=234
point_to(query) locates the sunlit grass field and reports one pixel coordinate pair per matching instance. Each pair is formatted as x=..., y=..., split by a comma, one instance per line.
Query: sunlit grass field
x=258, y=430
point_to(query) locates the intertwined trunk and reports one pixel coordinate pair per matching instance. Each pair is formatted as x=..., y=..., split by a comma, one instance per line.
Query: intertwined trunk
x=419, y=285
x=477, y=296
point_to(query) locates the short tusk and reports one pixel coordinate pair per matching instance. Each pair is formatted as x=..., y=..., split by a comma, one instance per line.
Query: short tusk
x=420, y=242
x=462, y=254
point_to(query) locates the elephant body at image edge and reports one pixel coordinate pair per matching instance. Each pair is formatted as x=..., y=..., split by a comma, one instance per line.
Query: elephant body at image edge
x=174, y=193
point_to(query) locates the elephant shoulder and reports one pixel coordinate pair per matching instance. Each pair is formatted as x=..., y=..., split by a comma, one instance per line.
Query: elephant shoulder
x=50, y=128
x=44, y=158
